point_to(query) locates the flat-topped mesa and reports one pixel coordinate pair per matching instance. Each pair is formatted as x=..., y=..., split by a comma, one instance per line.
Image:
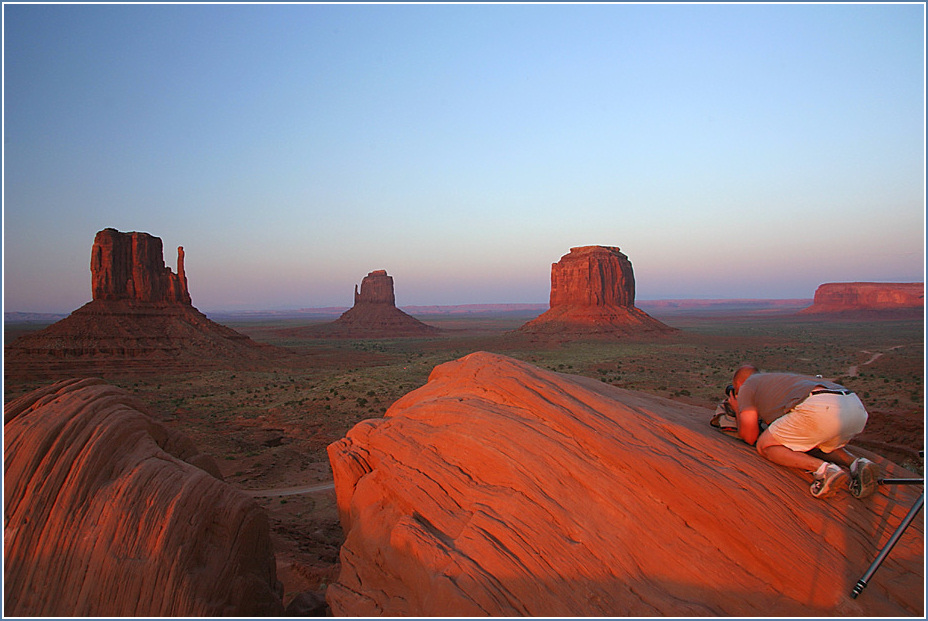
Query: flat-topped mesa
x=593, y=276
x=130, y=266
x=593, y=292
x=376, y=288
x=868, y=297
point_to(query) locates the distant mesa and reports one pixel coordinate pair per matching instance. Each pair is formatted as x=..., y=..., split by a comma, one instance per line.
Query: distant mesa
x=111, y=514
x=374, y=314
x=141, y=312
x=593, y=293
x=868, y=300
x=502, y=489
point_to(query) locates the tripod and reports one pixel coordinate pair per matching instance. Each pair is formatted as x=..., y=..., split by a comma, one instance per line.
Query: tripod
x=862, y=583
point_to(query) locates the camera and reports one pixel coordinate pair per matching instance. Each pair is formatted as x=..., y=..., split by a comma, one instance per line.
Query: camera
x=729, y=390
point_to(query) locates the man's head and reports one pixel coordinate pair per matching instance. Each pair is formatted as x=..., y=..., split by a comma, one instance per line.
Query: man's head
x=742, y=374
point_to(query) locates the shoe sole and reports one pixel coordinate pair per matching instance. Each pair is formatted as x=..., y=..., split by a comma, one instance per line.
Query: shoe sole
x=866, y=481
x=832, y=485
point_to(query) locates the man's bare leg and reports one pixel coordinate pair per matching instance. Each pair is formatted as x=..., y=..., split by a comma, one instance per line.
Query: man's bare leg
x=772, y=450
x=840, y=456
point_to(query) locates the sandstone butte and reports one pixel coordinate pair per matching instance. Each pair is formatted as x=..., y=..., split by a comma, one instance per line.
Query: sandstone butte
x=593, y=293
x=868, y=299
x=374, y=314
x=111, y=514
x=499, y=488
x=140, y=312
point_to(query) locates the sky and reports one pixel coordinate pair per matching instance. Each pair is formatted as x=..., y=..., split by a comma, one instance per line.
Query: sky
x=729, y=150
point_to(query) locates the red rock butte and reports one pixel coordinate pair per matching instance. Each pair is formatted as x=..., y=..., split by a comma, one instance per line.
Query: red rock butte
x=593, y=293
x=374, y=314
x=141, y=312
x=868, y=299
x=130, y=266
x=111, y=514
x=502, y=489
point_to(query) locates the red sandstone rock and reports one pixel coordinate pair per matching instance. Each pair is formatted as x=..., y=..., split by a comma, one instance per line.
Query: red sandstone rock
x=140, y=313
x=376, y=288
x=593, y=292
x=868, y=297
x=502, y=489
x=374, y=314
x=111, y=514
x=131, y=266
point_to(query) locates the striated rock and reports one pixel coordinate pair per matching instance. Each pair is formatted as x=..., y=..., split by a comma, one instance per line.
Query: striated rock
x=141, y=313
x=130, y=266
x=111, y=514
x=373, y=315
x=499, y=488
x=868, y=299
x=593, y=292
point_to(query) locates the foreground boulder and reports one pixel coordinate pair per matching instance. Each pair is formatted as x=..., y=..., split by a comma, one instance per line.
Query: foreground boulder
x=869, y=300
x=111, y=514
x=593, y=293
x=499, y=488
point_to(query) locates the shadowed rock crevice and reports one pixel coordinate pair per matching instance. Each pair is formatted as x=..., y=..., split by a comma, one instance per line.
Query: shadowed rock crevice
x=500, y=488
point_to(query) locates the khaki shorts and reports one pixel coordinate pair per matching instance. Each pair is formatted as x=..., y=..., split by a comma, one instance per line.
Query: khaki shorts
x=825, y=421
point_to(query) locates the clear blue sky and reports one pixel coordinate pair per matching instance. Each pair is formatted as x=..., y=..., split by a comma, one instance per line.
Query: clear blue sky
x=731, y=151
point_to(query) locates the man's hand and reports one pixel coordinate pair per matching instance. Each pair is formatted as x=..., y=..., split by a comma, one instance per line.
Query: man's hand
x=748, y=425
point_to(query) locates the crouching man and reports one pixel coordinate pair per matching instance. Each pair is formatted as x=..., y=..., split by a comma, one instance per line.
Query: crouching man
x=810, y=420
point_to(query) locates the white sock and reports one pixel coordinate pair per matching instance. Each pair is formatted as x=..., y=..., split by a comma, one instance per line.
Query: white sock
x=821, y=469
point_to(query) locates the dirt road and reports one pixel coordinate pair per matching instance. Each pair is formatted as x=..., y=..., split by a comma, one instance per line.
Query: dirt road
x=290, y=491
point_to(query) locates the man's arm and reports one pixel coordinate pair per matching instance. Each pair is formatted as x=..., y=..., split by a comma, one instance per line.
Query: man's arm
x=748, y=424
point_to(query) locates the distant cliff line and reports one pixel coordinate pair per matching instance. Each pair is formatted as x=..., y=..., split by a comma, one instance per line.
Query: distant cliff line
x=660, y=306
x=526, y=309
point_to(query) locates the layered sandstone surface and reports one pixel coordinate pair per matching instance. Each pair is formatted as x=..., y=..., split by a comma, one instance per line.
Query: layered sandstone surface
x=593, y=292
x=374, y=314
x=141, y=312
x=868, y=298
x=499, y=488
x=111, y=514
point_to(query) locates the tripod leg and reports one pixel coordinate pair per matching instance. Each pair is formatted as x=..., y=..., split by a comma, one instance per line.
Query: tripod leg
x=862, y=583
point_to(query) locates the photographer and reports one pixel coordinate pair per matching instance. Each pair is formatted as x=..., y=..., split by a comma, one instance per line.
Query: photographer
x=810, y=420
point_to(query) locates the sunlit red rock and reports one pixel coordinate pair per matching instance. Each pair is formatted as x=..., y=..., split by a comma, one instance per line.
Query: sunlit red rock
x=868, y=299
x=111, y=514
x=593, y=292
x=499, y=488
x=140, y=314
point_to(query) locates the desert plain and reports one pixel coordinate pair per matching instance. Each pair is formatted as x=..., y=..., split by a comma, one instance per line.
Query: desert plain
x=267, y=423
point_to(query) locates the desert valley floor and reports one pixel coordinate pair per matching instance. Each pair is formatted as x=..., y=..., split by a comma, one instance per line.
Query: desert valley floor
x=268, y=424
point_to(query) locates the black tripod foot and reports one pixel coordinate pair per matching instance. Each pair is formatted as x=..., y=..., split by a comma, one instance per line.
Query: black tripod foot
x=858, y=589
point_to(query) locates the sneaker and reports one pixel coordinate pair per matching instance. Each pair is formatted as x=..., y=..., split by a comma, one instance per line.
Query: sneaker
x=864, y=477
x=827, y=483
